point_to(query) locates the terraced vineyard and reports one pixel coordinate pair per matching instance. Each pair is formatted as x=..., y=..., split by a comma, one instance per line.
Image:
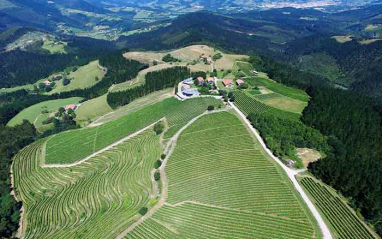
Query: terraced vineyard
x=83, y=142
x=249, y=105
x=221, y=185
x=96, y=199
x=343, y=222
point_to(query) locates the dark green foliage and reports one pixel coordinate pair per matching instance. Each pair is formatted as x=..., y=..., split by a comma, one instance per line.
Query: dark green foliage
x=48, y=89
x=159, y=127
x=283, y=135
x=169, y=58
x=163, y=156
x=196, y=74
x=156, y=80
x=12, y=140
x=143, y=211
x=66, y=81
x=210, y=107
x=157, y=176
x=48, y=120
x=157, y=164
x=355, y=167
x=243, y=86
x=217, y=56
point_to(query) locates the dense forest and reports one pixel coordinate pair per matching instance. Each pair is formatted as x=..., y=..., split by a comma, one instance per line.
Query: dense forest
x=38, y=64
x=360, y=64
x=154, y=81
x=12, y=140
x=283, y=135
x=353, y=124
x=355, y=168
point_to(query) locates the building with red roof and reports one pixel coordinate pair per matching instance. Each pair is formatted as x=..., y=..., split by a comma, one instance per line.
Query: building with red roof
x=239, y=82
x=227, y=83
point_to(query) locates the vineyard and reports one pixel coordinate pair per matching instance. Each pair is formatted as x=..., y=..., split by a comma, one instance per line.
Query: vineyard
x=96, y=199
x=343, y=222
x=249, y=105
x=221, y=185
x=83, y=142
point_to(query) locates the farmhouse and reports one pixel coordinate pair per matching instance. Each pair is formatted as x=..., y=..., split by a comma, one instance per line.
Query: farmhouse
x=207, y=59
x=188, y=81
x=239, y=82
x=71, y=107
x=190, y=93
x=227, y=83
x=47, y=82
x=201, y=80
x=186, y=87
x=211, y=80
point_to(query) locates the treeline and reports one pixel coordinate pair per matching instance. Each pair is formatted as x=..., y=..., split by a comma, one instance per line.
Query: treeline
x=12, y=140
x=154, y=81
x=355, y=167
x=283, y=135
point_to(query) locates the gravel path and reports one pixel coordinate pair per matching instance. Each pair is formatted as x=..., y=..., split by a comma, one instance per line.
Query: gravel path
x=291, y=174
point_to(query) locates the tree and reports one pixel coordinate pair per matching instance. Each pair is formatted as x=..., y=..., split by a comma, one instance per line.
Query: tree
x=157, y=164
x=143, y=211
x=159, y=127
x=65, y=81
x=210, y=108
x=48, y=88
x=157, y=176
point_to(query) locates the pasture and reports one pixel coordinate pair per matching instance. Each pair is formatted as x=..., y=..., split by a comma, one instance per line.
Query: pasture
x=93, y=109
x=222, y=185
x=282, y=102
x=96, y=199
x=83, y=77
x=54, y=46
x=342, y=220
x=290, y=92
x=187, y=55
x=83, y=142
x=41, y=111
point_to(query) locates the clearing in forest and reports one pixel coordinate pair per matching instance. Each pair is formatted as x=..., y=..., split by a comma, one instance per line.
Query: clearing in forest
x=83, y=77
x=221, y=184
x=37, y=113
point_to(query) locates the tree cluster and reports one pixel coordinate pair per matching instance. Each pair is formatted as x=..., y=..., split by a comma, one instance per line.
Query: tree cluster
x=154, y=81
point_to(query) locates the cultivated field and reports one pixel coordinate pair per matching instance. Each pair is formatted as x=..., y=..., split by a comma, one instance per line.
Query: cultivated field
x=290, y=92
x=37, y=113
x=249, y=104
x=282, y=102
x=96, y=199
x=221, y=185
x=344, y=223
x=80, y=79
x=84, y=142
x=93, y=109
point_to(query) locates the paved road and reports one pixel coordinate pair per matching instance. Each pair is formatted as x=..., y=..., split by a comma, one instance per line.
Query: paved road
x=291, y=174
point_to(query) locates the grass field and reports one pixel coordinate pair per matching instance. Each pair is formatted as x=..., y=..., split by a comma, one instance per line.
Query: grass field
x=221, y=185
x=55, y=47
x=293, y=93
x=96, y=199
x=282, y=102
x=35, y=115
x=83, y=142
x=93, y=109
x=343, y=222
x=82, y=78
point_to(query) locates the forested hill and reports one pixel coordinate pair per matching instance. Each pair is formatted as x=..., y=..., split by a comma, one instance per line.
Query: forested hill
x=352, y=64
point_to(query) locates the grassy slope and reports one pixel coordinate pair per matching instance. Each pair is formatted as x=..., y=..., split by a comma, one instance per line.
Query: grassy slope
x=33, y=113
x=236, y=191
x=93, y=109
x=84, y=142
x=54, y=48
x=82, y=78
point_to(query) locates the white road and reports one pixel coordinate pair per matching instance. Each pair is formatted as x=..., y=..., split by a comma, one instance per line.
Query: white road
x=291, y=174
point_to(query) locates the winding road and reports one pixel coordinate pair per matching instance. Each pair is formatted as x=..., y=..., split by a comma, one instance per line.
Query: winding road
x=291, y=174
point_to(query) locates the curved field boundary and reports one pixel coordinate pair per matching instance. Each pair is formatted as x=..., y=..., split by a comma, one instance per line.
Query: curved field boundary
x=43, y=165
x=291, y=174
